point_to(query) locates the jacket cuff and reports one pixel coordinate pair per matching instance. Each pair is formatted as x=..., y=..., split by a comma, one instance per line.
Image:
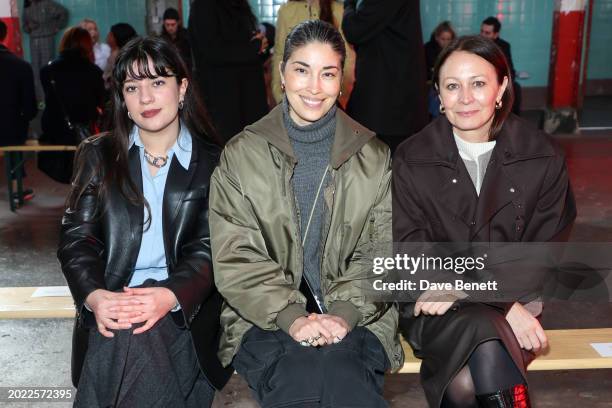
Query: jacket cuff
x=288, y=315
x=347, y=311
x=503, y=306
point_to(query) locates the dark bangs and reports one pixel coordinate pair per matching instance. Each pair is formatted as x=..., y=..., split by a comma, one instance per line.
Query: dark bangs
x=133, y=62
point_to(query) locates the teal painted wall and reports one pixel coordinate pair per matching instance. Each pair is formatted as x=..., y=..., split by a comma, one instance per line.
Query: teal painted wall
x=600, y=50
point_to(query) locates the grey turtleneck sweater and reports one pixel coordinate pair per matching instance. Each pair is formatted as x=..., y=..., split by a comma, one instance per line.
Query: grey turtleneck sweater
x=312, y=146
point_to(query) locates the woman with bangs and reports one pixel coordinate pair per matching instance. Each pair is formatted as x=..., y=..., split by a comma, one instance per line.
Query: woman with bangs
x=135, y=244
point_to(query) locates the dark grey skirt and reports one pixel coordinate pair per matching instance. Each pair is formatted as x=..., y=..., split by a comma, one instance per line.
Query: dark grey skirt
x=158, y=368
x=445, y=343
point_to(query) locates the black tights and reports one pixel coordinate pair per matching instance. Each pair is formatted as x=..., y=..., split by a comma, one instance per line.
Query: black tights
x=489, y=369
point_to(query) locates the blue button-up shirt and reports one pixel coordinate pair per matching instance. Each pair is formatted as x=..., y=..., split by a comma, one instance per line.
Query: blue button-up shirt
x=151, y=262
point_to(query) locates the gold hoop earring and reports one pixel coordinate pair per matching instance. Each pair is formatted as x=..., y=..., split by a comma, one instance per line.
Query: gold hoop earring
x=180, y=105
x=283, y=86
x=442, y=109
x=498, y=105
x=130, y=115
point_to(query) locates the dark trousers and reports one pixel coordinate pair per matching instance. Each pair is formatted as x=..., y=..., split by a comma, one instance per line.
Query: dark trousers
x=157, y=368
x=282, y=373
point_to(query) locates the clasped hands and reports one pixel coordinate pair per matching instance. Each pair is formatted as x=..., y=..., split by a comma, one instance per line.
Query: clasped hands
x=120, y=310
x=319, y=329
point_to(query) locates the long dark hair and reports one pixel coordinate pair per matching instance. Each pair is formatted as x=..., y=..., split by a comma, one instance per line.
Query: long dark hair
x=123, y=33
x=133, y=61
x=489, y=51
x=326, y=12
x=311, y=31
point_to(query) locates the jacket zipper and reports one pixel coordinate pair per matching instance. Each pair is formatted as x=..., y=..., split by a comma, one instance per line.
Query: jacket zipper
x=325, y=234
x=295, y=215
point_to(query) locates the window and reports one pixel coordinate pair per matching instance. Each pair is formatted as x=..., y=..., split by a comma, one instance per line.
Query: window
x=267, y=10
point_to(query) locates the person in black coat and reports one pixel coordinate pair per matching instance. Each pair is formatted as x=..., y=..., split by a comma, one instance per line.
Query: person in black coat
x=441, y=37
x=135, y=243
x=74, y=91
x=174, y=32
x=479, y=174
x=490, y=28
x=18, y=102
x=390, y=95
x=227, y=52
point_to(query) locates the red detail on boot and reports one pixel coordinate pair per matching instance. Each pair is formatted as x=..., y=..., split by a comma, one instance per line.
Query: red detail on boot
x=520, y=396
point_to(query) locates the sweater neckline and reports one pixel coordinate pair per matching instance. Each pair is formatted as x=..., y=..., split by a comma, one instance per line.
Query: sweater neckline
x=313, y=132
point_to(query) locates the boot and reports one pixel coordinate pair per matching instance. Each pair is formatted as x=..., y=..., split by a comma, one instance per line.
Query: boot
x=515, y=397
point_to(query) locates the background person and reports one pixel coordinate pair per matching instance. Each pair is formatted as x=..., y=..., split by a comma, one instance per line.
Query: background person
x=18, y=102
x=227, y=51
x=490, y=28
x=390, y=91
x=74, y=91
x=101, y=50
x=441, y=37
x=119, y=35
x=42, y=19
x=294, y=12
x=174, y=32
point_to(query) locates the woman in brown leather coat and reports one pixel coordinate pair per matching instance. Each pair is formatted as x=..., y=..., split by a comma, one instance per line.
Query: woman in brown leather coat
x=477, y=174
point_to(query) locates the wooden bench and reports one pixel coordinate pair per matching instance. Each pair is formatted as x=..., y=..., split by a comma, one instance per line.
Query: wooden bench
x=569, y=349
x=18, y=303
x=14, y=162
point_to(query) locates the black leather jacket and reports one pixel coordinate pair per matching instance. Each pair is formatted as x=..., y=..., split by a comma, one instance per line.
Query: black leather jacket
x=100, y=242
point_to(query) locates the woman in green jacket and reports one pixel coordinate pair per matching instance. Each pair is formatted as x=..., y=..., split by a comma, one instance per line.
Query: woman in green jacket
x=299, y=206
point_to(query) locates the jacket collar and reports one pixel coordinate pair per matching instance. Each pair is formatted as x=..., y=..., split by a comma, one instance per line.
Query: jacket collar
x=515, y=142
x=350, y=136
x=177, y=184
x=181, y=148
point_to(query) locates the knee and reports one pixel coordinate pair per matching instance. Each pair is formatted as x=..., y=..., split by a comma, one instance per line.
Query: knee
x=460, y=393
x=342, y=365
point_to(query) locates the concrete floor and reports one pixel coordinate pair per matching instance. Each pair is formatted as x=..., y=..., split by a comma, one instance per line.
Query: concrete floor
x=37, y=352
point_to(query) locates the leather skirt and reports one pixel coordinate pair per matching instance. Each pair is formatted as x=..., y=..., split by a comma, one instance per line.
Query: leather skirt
x=445, y=343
